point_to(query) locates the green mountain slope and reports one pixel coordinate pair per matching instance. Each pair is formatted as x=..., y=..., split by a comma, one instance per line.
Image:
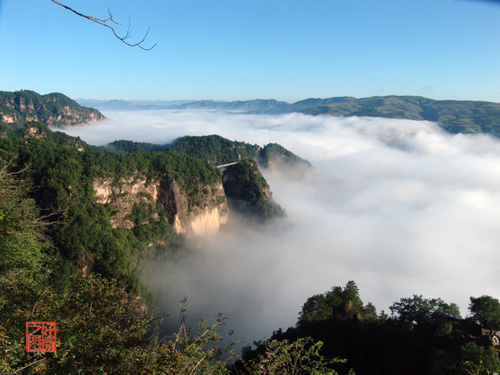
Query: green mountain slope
x=247, y=191
x=454, y=116
x=53, y=110
x=103, y=209
x=106, y=208
x=215, y=149
x=218, y=150
x=33, y=129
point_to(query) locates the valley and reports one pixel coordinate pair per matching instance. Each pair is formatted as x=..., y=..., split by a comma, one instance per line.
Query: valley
x=144, y=223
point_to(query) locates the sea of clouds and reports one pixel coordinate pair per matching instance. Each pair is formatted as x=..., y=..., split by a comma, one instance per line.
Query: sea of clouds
x=399, y=206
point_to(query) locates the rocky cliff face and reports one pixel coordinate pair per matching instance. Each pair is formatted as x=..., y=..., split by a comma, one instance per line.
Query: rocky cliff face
x=207, y=215
x=52, y=110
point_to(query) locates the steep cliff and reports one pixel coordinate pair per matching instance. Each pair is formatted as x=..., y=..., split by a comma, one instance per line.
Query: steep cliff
x=52, y=110
x=248, y=191
x=202, y=213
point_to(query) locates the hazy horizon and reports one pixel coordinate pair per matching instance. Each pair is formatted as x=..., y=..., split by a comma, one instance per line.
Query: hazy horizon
x=83, y=100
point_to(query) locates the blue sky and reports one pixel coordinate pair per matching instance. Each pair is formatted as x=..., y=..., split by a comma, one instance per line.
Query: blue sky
x=237, y=50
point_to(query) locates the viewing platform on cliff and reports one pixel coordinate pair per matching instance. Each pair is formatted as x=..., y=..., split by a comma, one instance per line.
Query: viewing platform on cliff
x=224, y=166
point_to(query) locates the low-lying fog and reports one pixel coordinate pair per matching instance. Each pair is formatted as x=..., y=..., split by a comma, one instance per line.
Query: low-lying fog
x=398, y=206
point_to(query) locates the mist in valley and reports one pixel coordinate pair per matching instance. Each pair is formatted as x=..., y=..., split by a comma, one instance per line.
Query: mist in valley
x=399, y=206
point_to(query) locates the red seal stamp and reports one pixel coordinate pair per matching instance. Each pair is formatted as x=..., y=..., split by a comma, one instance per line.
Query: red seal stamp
x=40, y=337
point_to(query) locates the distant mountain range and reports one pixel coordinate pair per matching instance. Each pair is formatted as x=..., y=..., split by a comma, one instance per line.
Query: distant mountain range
x=131, y=105
x=455, y=116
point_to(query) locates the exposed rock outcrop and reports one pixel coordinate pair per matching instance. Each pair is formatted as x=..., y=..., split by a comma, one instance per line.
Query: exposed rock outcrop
x=206, y=216
x=52, y=110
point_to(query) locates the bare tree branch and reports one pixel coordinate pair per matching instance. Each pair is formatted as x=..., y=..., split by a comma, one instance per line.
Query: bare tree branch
x=106, y=23
x=25, y=367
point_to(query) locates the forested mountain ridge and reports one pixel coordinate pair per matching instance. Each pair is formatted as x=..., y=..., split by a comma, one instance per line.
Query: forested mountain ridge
x=52, y=110
x=123, y=202
x=245, y=188
x=455, y=116
x=77, y=224
x=217, y=150
x=104, y=209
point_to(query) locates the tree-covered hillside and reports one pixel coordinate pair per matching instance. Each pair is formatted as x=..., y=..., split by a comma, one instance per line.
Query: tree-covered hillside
x=275, y=155
x=63, y=261
x=218, y=150
x=63, y=175
x=455, y=116
x=421, y=337
x=52, y=110
x=33, y=129
x=101, y=327
x=110, y=235
x=248, y=191
x=128, y=147
x=215, y=149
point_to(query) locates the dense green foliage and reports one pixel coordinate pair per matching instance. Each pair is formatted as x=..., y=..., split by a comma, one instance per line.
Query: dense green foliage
x=104, y=329
x=82, y=233
x=275, y=154
x=339, y=302
x=215, y=149
x=419, y=310
x=423, y=336
x=218, y=151
x=301, y=356
x=128, y=147
x=33, y=129
x=486, y=311
x=101, y=328
x=22, y=250
x=53, y=109
x=247, y=190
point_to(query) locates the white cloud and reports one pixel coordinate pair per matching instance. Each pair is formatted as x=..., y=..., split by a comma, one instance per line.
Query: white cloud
x=398, y=206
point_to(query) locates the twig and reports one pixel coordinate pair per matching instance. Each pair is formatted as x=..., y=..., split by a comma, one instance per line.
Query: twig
x=104, y=22
x=25, y=367
x=39, y=298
